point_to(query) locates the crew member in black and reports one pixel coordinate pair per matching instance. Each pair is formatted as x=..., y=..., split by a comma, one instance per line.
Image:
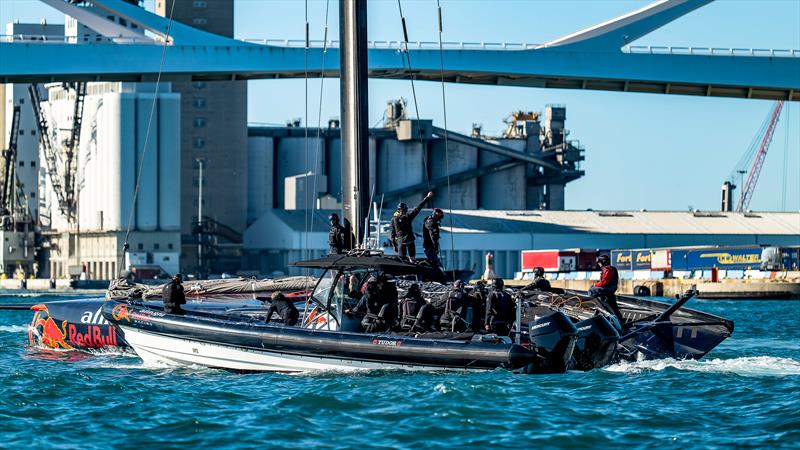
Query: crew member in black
x=539, y=281
x=478, y=298
x=500, y=310
x=337, y=236
x=403, y=228
x=410, y=308
x=452, y=319
x=388, y=293
x=285, y=309
x=371, y=305
x=430, y=236
x=173, y=296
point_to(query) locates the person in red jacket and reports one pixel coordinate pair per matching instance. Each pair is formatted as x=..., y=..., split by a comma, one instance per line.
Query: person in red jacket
x=605, y=289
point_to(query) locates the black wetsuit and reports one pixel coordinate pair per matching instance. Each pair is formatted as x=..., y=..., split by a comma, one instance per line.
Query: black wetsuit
x=285, y=309
x=540, y=283
x=478, y=299
x=500, y=312
x=336, y=239
x=173, y=297
x=454, y=311
x=403, y=231
x=430, y=239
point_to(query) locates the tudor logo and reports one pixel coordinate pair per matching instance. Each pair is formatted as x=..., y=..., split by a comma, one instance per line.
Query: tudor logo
x=386, y=342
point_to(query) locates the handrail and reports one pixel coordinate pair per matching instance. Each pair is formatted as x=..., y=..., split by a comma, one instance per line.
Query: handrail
x=419, y=45
x=711, y=51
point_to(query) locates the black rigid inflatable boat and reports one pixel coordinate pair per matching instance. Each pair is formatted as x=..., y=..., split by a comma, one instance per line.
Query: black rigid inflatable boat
x=328, y=339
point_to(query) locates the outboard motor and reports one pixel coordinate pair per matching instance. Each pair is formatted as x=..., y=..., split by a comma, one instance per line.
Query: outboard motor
x=554, y=337
x=595, y=345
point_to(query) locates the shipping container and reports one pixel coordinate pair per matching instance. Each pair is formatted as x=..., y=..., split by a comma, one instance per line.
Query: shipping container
x=748, y=258
x=661, y=260
x=640, y=259
x=621, y=259
x=550, y=260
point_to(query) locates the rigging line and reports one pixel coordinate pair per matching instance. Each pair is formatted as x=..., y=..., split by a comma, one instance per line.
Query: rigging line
x=306, y=194
x=446, y=148
x=125, y=246
x=786, y=155
x=319, y=107
x=414, y=94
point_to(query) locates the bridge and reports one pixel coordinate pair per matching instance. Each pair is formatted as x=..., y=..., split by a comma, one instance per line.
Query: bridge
x=600, y=57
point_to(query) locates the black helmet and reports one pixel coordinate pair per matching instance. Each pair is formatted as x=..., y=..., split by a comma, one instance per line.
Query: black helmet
x=498, y=283
x=414, y=289
x=178, y=277
x=333, y=217
x=538, y=271
x=438, y=213
x=603, y=260
x=402, y=207
x=278, y=295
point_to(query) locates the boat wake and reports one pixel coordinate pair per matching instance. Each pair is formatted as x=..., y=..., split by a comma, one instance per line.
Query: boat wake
x=13, y=329
x=753, y=366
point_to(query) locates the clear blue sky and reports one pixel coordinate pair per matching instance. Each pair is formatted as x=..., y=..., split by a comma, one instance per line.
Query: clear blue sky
x=643, y=151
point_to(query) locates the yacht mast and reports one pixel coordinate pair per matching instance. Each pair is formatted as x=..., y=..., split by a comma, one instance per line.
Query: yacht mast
x=354, y=114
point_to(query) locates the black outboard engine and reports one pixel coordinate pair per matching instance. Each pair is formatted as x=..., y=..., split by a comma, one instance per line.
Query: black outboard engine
x=554, y=336
x=595, y=345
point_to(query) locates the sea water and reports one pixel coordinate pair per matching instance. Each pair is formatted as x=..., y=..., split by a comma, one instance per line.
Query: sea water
x=745, y=393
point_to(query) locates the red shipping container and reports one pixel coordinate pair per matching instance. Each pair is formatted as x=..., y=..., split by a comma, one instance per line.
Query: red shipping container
x=549, y=260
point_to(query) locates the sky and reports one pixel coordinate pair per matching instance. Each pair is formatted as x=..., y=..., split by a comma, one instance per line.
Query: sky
x=643, y=151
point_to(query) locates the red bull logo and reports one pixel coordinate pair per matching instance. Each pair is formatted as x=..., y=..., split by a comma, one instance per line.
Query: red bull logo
x=120, y=313
x=51, y=335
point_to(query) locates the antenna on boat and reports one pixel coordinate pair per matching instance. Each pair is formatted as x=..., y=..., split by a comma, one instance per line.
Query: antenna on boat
x=354, y=114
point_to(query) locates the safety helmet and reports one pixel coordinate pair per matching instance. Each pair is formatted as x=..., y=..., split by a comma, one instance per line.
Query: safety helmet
x=498, y=283
x=333, y=217
x=603, y=260
x=538, y=271
x=402, y=206
x=438, y=213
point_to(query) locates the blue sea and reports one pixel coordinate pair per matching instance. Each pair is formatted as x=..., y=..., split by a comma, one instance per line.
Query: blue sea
x=746, y=393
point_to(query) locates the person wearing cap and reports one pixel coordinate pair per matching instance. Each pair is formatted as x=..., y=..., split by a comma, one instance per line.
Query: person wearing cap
x=539, y=281
x=605, y=289
x=430, y=236
x=336, y=237
x=173, y=296
x=403, y=228
x=284, y=307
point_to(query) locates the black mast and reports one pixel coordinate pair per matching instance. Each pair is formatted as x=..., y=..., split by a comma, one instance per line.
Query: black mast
x=354, y=113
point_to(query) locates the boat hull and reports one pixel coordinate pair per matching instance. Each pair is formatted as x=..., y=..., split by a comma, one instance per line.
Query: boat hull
x=229, y=343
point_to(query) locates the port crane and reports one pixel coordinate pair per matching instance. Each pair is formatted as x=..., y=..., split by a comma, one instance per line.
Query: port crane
x=754, y=157
x=63, y=181
x=14, y=212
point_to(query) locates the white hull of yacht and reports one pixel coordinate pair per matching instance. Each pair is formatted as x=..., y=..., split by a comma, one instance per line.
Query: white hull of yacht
x=158, y=349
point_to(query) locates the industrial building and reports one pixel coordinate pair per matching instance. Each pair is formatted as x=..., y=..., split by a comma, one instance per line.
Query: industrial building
x=281, y=236
x=213, y=125
x=79, y=154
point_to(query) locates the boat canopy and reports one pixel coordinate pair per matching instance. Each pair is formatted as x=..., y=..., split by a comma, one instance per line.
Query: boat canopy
x=388, y=264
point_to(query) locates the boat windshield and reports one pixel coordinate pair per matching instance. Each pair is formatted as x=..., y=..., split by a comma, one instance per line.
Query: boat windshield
x=323, y=288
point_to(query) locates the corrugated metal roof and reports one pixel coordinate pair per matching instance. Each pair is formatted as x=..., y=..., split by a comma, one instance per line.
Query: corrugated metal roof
x=601, y=222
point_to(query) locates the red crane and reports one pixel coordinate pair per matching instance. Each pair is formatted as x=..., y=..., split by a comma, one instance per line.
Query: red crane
x=758, y=162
